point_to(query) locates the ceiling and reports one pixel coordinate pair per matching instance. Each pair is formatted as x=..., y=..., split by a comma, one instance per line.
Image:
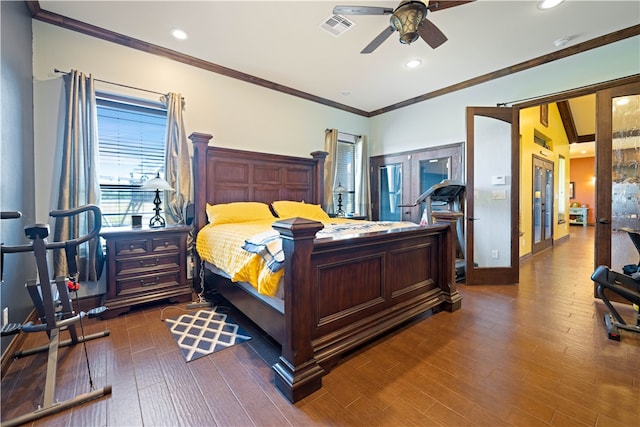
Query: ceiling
x=283, y=42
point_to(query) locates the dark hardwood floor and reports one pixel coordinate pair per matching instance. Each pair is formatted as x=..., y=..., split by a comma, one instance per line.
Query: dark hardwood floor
x=534, y=354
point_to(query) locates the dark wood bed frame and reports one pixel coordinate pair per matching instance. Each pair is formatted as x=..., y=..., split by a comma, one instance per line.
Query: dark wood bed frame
x=339, y=293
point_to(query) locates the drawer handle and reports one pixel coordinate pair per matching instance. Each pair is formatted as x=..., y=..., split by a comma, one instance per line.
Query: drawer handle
x=152, y=263
x=149, y=283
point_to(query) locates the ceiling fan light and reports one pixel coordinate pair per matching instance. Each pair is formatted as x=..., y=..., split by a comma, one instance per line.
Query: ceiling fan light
x=406, y=19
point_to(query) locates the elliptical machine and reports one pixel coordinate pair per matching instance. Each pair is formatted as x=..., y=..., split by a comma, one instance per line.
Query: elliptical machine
x=53, y=306
x=625, y=285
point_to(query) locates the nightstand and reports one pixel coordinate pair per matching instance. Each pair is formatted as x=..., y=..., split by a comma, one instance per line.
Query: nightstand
x=144, y=265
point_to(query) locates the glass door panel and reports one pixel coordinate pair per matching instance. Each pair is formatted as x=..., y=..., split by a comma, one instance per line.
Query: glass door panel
x=617, y=179
x=390, y=190
x=492, y=200
x=537, y=204
x=625, y=179
x=433, y=172
x=548, y=213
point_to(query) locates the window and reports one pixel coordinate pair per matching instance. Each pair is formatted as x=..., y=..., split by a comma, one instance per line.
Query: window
x=131, y=137
x=345, y=173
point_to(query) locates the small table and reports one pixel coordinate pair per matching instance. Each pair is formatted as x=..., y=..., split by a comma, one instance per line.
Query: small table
x=578, y=216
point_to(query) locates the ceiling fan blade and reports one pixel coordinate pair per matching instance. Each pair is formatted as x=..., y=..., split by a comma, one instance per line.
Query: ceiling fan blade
x=378, y=40
x=436, y=5
x=361, y=10
x=431, y=34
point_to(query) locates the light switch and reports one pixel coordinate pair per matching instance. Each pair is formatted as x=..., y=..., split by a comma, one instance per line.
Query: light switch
x=498, y=180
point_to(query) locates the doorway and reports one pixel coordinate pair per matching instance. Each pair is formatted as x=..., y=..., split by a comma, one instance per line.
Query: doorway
x=543, y=197
x=615, y=130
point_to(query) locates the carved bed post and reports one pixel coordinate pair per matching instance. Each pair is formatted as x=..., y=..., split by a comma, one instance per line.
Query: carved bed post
x=320, y=157
x=452, y=298
x=200, y=143
x=297, y=372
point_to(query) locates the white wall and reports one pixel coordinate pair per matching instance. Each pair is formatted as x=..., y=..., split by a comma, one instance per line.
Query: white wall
x=238, y=114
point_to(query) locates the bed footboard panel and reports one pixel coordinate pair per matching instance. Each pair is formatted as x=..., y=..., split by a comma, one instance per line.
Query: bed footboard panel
x=342, y=293
x=361, y=290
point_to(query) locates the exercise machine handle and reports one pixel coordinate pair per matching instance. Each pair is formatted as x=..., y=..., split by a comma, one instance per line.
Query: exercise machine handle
x=10, y=214
x=95, y=230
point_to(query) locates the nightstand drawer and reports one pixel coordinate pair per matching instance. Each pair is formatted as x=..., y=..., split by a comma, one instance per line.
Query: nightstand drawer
x=147, y=264
x=163, y=244
x=131, y=247
x=145, y=283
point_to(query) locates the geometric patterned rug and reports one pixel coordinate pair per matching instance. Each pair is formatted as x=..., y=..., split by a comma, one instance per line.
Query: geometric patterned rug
x=204, y=332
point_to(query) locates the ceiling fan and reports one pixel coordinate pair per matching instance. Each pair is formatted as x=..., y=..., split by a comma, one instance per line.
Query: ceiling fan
x=409, y=19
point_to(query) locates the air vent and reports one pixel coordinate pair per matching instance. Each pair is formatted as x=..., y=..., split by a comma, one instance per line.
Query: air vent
x=336, y=25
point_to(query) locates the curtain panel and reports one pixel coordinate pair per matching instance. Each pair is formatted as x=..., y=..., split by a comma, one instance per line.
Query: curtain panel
x=177, y=164
x=331, y=147
x=79, y=175
x=362, y=187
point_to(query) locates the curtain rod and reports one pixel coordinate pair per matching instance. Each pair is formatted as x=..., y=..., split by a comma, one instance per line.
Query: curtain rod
x=346, y=133
x=116, y=84
x=504, y=104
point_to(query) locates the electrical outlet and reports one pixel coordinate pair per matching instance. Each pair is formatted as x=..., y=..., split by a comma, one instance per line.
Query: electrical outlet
x=494, y=254
x=5, y=316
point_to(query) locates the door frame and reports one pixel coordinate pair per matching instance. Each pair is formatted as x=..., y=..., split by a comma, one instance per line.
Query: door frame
x=602, y=241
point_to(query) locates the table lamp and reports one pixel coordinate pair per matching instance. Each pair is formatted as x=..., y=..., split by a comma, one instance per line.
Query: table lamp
x=157, y=184
x=340, y=189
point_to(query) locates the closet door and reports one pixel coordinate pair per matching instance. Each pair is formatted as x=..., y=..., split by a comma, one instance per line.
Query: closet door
x=389, y=188
x=398, y=179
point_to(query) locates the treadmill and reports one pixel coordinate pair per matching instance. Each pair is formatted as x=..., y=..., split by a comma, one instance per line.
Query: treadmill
x=448, y=196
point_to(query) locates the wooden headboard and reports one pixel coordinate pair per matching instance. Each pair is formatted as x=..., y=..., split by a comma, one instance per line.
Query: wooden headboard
x=224, y=175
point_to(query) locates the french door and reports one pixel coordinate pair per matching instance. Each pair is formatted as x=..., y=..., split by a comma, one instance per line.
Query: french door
x=543, y=197
x=617, y=174
x=493, y=195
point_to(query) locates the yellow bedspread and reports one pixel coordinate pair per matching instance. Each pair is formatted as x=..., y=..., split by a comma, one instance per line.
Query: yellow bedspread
x=221, y=245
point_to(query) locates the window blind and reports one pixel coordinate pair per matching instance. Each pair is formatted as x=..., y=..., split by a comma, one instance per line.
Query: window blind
x=131, y=150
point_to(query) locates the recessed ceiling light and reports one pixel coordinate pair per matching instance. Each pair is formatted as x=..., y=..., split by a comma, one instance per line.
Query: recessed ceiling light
x=346, y=92
x=548, y=4
x=413, y=63
x=179, y=34
x=562, y=42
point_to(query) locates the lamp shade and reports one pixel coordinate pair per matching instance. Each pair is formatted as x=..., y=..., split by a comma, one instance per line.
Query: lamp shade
x=157, y=183
x=339, y=189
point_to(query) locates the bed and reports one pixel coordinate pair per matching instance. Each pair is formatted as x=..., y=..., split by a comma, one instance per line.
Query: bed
x=338, y=293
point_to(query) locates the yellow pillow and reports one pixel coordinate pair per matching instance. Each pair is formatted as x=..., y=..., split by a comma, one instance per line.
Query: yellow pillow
x=238, y=212
x=290, y=209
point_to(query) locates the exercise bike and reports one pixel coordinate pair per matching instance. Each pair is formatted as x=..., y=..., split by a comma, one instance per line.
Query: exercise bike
x=53, y=306
x=626, y=285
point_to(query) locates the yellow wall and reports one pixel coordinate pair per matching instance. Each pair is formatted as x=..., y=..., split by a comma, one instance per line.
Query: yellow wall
x=529, y=124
